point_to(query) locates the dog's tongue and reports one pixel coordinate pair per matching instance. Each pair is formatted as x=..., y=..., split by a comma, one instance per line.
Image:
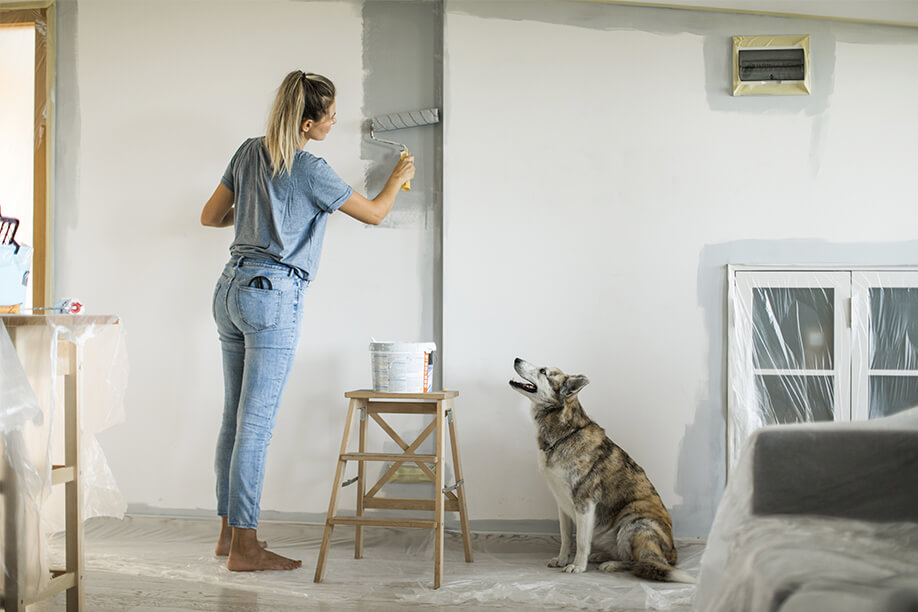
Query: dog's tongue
x=525, y=386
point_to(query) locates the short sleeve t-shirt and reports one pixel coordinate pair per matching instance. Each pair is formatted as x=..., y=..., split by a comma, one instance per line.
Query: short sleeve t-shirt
x=282, y=218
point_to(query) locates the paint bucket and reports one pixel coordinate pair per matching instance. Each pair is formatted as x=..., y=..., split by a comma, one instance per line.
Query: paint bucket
x=402, y=367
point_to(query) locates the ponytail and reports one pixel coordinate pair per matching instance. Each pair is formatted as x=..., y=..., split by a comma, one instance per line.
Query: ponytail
x=301, y=96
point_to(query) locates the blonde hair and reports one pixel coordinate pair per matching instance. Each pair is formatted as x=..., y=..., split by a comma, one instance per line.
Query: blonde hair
x=301, y=96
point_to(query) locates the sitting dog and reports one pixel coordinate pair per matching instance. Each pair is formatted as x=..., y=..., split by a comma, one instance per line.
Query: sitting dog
x=598, y=487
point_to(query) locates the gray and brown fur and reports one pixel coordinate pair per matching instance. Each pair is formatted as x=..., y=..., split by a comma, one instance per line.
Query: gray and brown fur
x=620, y=519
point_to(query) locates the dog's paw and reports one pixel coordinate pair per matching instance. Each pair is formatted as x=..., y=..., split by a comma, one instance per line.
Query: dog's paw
x=560, y=561
x=573, y=568
x=614, y=566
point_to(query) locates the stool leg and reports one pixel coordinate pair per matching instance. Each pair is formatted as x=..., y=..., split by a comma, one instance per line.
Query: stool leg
x=460, y=491
x=438, y=503
x=361, y=483
x=336, y=485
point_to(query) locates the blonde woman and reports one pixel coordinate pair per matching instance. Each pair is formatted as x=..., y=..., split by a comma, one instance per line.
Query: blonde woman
x=278, y=197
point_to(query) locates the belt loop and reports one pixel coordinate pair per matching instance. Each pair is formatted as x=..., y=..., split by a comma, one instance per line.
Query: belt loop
x=239, y=262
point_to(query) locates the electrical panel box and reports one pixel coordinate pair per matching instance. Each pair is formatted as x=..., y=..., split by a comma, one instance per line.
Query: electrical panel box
x=771, y=65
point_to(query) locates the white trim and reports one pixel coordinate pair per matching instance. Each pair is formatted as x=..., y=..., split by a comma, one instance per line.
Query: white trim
x=894, y=373
x=774, y=372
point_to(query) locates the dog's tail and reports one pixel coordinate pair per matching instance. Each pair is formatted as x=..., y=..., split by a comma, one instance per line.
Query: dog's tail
x=649, y=569
x=660, y=570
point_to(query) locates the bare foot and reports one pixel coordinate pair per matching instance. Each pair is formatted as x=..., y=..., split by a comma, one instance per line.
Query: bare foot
x=247, y=554
x=226, y=537
x=223, y=545
x=260, y=559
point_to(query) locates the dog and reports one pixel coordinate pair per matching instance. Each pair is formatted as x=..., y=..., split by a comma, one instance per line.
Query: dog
x=598, y=487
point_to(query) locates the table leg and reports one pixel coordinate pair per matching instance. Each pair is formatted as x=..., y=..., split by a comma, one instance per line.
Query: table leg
x=73, y=390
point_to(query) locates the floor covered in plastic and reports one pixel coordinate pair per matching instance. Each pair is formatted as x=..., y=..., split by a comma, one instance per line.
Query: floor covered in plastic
x=167, y=564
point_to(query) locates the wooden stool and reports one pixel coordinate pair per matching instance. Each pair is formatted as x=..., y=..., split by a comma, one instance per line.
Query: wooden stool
x=373, y=404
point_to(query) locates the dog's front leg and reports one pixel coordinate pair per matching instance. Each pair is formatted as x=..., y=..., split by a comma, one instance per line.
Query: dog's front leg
x=585, y=523
x=567, y=530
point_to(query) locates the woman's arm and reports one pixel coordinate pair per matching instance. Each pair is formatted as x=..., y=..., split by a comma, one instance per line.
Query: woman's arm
x=218, y=212
x=375, y=210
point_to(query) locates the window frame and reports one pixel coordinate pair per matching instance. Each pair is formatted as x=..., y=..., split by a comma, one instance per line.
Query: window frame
x=862, y=281
x=742, y=280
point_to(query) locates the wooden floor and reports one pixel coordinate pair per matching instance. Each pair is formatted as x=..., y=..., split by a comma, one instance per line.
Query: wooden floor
x=167, y=565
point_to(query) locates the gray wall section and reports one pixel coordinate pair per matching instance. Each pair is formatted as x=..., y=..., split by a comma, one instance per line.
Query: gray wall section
x=403, y=67
x=706, y=435
x=718, y=48
x=66, y=132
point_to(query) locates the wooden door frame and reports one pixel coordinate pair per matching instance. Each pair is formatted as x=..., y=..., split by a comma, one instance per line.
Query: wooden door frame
x=24, y=13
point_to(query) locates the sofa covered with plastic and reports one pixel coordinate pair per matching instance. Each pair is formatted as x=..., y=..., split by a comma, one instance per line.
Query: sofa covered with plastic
x=818, y=516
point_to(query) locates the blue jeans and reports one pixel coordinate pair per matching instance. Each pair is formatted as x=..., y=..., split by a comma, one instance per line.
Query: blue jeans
x=258, y=310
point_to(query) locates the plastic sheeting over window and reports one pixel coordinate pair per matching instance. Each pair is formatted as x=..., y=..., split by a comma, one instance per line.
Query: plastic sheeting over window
x=819, y=345
x=893, y=349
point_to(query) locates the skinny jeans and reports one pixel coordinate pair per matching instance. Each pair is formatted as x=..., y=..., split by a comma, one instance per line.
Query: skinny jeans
x=257, y=306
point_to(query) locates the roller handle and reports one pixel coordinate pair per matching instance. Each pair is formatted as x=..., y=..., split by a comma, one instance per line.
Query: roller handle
x=407, y=185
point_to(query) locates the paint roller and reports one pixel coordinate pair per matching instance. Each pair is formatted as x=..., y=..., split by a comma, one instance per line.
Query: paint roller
x=398, y=121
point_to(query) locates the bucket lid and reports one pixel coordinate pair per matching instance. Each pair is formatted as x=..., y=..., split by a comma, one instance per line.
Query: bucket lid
x=403, y=347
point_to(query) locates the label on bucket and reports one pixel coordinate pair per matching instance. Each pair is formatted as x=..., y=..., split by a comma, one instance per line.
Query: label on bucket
x=402, y=367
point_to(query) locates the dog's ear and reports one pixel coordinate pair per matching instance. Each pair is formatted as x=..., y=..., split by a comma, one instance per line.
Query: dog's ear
x=573, y=384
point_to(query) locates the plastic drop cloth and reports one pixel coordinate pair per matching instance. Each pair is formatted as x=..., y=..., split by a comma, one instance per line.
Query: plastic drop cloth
x=819, y=345
x=396, y=571
x=31, y=421
x=818, y=516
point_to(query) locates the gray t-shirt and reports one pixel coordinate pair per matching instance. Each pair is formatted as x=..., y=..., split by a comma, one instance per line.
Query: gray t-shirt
x=282, y=218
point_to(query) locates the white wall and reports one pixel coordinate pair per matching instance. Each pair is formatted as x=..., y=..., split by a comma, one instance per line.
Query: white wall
x=595, y=163
x=595, y=184
x=167, y=91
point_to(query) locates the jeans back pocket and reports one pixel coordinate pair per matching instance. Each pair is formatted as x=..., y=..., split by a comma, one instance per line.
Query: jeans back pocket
x=259, y=309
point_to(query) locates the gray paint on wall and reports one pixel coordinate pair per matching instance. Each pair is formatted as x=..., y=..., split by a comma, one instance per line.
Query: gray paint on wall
x=66, y=132
x=402, y=66
x=705, y=440
x=717, y=49
x=403, y=71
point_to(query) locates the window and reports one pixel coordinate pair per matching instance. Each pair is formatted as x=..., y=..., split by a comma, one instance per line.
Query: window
x=818, y=344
